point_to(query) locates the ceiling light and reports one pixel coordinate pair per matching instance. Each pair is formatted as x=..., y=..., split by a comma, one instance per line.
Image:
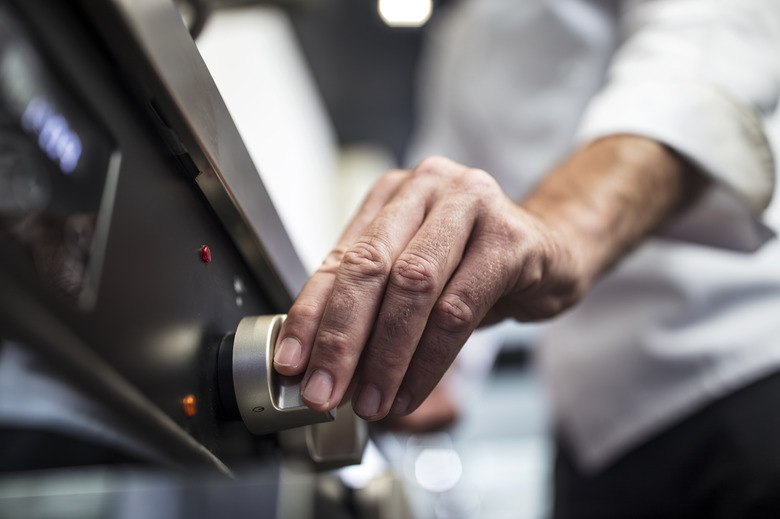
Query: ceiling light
x=405, y=13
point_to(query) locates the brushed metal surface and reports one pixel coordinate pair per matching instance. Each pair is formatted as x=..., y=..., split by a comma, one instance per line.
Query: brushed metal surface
x=267, y=401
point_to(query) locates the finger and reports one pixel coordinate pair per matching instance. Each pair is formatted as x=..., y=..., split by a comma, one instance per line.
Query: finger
x=293, y=346
x=296, y=337
x=384, y=190
x=476, y=285
x=416, y=281
x=359, y=288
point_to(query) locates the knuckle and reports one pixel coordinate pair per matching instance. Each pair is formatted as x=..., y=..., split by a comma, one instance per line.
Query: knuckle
x=414, y=273
x=432, y=165
x=304, y=311
x=333, y=259
x=507, y=231
x=387, y=183
x=366, y=259
x=534, y=271
x=395, y=325
x=389, y=179
x=474, y=180
x=455, y=315
x=392, y=361
x=336, y=344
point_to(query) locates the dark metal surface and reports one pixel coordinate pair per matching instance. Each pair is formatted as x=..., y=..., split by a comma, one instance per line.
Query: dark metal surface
x=150, y=335
x=157, y=54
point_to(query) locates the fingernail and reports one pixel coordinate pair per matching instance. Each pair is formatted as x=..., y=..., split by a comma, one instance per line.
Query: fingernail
x=288, y=353
x=319, y=388
x=368, y=401
x=401, y=403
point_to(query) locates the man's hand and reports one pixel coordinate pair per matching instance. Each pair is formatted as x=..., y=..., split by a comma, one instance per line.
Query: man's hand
x=434, y=252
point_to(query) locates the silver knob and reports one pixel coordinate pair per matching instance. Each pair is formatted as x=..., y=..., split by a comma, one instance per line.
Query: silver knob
x=329, y=445
x=267, y=402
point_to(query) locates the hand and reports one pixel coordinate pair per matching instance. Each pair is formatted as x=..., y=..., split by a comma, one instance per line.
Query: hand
x=431, y=254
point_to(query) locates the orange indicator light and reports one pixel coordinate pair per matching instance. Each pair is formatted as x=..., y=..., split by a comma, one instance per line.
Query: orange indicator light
x=190, y=405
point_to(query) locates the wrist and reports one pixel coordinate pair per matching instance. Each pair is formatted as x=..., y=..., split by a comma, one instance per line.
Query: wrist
x=609, y=195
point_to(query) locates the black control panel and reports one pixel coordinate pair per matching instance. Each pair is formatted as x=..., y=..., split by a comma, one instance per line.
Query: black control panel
x=115, y=269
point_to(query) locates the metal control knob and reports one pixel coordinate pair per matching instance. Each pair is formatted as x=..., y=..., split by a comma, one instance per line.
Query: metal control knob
x=249, y=386
x=328, y=445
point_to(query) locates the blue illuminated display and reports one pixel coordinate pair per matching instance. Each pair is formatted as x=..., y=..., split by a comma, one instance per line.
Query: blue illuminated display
x=55, y=137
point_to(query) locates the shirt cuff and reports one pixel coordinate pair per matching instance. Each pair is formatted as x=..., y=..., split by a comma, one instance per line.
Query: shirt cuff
x=722, y=136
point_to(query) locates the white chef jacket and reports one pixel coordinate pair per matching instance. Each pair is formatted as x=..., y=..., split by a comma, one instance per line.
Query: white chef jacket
x=694, y=313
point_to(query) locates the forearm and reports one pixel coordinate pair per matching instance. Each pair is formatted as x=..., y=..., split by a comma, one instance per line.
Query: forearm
x=611, y=194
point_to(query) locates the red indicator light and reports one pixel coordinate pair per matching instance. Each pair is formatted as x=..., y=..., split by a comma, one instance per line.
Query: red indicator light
x=205, y=254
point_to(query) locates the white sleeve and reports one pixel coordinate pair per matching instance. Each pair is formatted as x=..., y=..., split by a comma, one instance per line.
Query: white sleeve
x=701, y=76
